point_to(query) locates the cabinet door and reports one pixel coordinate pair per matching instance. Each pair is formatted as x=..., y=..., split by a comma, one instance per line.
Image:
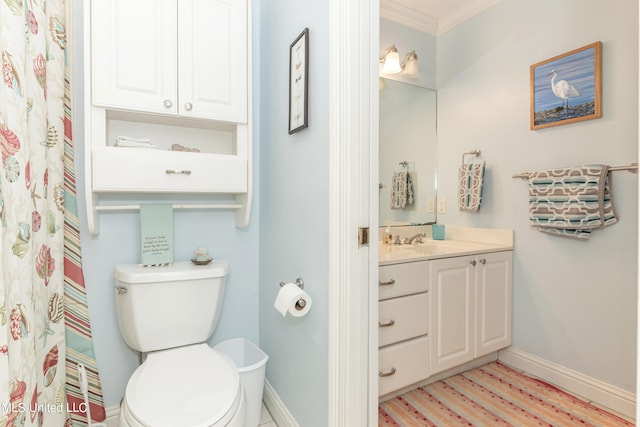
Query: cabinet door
x=133, y=55
x=212, y=54
x=452, y=293
x=493, y=302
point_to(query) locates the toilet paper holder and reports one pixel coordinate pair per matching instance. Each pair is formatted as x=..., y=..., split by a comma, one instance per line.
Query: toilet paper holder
x=299, y=282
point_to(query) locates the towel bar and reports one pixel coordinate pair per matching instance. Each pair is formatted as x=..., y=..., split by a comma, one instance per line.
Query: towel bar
x=633, y=168
x=119, y=208
x=475, y=152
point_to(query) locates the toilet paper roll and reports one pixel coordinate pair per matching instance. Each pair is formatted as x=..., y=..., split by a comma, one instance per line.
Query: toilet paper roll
x=293, y=300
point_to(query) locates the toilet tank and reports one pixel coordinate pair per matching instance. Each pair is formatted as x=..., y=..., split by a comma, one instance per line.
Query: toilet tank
x=166, y=307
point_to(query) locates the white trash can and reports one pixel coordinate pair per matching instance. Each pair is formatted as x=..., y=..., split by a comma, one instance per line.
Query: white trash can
x=251, y=362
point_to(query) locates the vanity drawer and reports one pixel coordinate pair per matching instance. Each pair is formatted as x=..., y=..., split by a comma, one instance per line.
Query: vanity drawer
x=403, y=318
x=403, y=364
x=403, y=279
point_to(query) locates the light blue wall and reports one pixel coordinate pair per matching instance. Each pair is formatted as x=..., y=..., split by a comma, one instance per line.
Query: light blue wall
x=294, y=210
x=407, y=39
x=118, y=242
x=574, y=302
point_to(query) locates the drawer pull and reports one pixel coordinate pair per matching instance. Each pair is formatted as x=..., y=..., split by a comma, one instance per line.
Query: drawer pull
x=387, y=283
x=387, y=374
x=177, y=172
x=389, y=323
x=473, y=262
x=483, y=261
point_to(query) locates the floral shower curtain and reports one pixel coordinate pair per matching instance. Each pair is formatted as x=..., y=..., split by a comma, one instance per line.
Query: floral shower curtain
x=44, y=327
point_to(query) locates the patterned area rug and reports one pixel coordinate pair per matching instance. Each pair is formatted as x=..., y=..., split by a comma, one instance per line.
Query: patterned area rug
x=492, y=395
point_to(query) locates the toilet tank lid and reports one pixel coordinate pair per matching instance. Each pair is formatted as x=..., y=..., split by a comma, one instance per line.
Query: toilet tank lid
x=178, y=271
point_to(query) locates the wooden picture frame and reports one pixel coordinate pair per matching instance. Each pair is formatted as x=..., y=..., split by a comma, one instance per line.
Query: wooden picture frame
x=299, y=82
x=567, y=88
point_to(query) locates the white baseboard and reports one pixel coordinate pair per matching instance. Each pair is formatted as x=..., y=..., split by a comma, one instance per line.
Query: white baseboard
x=276, y=407
x=582, y=385
x=113, y=413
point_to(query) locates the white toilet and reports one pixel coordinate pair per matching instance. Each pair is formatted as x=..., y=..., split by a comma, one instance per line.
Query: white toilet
x=168, y=313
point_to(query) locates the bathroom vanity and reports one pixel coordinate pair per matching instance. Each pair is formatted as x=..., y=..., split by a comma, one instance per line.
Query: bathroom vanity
x=442, y=305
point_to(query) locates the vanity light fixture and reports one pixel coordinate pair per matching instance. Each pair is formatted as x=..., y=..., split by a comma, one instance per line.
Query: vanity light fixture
x=390, y=61
x=411, y=68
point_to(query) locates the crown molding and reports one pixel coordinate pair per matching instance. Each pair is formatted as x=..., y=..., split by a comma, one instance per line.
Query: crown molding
x=428, y=23
x=408, y=17
x=464, y=12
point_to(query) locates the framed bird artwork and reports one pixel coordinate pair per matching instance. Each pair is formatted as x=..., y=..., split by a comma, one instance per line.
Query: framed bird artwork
x=567, y=88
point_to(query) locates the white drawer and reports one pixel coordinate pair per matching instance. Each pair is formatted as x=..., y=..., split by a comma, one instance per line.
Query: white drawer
x=149, y=170
x=403, y=318
x=403, y=279
x=409, y=362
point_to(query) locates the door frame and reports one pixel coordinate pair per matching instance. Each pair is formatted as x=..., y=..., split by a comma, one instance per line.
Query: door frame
x=353, y=170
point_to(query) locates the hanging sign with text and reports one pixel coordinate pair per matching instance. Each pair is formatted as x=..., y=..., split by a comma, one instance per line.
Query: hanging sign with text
x=156, y=229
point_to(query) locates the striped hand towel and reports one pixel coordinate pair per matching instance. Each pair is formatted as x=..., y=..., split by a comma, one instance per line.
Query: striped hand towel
x=402, y=190
x=572, y=201
x=470, y=183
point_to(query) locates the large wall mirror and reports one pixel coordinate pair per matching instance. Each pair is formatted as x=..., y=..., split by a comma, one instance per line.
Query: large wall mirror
x=407, y=144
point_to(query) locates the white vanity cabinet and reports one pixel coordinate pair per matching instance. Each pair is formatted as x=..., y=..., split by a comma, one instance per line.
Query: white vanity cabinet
x=403, y=325
x=177, y=57
x=470, y=312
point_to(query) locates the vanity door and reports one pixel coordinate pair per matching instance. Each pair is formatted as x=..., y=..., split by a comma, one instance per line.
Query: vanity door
x=452, y=312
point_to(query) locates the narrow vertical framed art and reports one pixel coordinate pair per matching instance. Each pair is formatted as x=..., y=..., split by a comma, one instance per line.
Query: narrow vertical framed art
x=298, y=82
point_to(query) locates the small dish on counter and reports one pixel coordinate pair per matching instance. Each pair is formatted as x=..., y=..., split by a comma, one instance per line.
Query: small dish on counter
x=197, y=261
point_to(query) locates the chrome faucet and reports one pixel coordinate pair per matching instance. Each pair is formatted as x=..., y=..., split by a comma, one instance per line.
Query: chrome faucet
x=415, y=238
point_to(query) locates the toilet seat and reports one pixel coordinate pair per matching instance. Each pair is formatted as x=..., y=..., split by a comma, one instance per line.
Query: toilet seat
x=193, y=386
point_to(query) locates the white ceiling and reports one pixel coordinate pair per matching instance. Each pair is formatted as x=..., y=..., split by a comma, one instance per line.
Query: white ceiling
x=432, y=16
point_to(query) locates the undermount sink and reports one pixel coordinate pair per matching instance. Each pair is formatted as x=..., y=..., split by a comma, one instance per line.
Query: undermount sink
x=428, y=248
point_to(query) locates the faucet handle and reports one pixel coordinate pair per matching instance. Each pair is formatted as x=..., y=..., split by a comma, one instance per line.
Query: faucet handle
x=397, y=241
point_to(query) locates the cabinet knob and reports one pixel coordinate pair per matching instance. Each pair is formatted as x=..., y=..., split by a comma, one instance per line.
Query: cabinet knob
x=385, y=325
x=473, y=262
x=387, y=283
x=168, y=103
x=387, y=374
x=188, y=106
x=483, y=261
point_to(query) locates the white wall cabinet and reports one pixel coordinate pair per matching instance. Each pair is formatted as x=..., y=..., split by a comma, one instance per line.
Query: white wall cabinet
x=174, y=72
x=186, y=57
x=470, y=312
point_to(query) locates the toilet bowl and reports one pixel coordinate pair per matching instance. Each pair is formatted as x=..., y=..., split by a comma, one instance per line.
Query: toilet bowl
x=187, y=386
x=167, y=313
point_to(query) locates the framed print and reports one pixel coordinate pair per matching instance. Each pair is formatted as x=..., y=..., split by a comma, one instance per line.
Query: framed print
x=567, y=88
x=298, y=82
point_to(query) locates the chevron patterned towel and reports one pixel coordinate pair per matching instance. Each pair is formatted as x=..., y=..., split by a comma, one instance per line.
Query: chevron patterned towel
x=571, y=202
x=470, y=183
x=402, y=190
